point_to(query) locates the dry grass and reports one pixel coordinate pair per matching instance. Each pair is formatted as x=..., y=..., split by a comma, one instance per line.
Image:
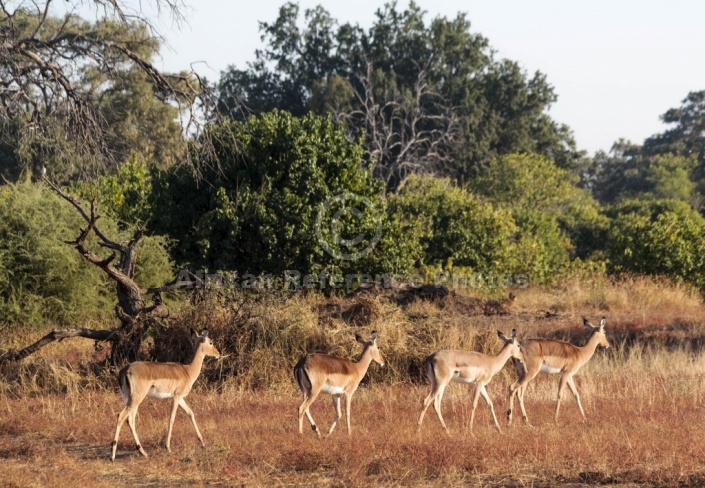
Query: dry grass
x=642, y=428
x=644, y=397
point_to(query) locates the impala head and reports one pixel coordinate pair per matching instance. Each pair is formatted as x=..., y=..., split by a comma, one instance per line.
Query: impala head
x=202, y=341
x=513, y=343
x=599, y=330
x=371, y=345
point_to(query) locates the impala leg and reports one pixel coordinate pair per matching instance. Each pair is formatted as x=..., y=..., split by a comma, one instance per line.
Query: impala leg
x=561, y=386
x=487, y=398
x=518, y=388
x=121, y=419
x=304, y=409
x=132, y=422
x=475, y=400
x=437, y=406
x=189, y=412
x=521, y=372
x=574, y=391
x=427, y=403
x=520, y=395
x=336, y=404
x=512, y=392
x=348, y=401
x=300, y=414
x=172, y=416
x=128, y=413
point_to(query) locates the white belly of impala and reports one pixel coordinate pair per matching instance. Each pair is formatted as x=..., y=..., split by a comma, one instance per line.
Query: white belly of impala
x=549, y=370
x=158, y=394
x=333, y=390
x=463, y=379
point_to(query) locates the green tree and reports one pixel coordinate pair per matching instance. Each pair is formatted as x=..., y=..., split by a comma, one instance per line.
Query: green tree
x=429, y=96
x=629, y=172
x=84, y=94
x=455, y=225
x=687, y=136
x=125, y=196
x=287, y=193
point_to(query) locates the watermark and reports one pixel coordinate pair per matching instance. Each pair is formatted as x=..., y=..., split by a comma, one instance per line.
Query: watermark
x=356, y=212
x=296, y=280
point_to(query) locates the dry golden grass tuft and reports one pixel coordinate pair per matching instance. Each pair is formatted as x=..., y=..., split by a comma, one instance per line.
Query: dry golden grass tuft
x=644, y=397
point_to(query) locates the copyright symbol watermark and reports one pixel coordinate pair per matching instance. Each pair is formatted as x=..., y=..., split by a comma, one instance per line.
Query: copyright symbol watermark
x=348, y=226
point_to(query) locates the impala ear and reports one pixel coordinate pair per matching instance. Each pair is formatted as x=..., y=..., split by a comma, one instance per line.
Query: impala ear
x=194, y=336
x=602, y=323
x=587, y=323
x=514, y=333
x=500, y=334
x=359, y=338
x=204, y=333
x=373, y=336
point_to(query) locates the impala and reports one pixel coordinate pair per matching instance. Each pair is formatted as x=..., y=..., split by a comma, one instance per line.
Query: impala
x=162, y=380
x=445, y=366
x=554, y=357
x=338, y=377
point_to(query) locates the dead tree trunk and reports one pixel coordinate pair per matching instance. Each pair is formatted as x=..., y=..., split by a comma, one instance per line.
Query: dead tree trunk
x=134, y=315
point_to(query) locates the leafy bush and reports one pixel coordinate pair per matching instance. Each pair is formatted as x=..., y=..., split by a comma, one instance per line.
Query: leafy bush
x=45, y=278
x=280, y=194
x=125, y=195
x=530, y=181
x=455, y=224
x=658, y=237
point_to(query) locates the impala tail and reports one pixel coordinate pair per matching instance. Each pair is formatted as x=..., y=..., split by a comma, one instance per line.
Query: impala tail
x=301, y=376
x=124, y=384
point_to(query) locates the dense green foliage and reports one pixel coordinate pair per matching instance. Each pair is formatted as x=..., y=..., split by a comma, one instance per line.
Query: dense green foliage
x=45, y=279
x=539, y=191
x=663, y=237
x=455, y=225
x=274, y=198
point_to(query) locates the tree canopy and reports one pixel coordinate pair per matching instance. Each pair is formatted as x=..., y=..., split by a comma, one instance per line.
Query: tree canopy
x=81, y=96
x=429, y=96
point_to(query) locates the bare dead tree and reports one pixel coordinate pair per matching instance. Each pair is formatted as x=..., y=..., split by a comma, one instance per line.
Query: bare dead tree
x=42, y=55
x=134, y=313
x=405, y=133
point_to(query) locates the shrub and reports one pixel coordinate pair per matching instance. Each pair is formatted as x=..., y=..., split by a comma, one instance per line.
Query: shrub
x=454, y=224
x=45, y=278
x=281, y=189
x=658, y=237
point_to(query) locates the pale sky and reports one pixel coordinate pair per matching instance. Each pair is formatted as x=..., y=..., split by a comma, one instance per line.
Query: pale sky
x=616, y=65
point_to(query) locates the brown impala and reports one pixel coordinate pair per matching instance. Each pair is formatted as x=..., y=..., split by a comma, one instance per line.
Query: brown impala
x=554, y=357
x=162, y=380
x=445, y=366
x=318, y=373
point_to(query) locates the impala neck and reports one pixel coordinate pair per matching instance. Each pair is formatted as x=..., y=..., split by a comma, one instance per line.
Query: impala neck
x=194, y=367
x=589, y=348
x=500, y=359
x=364, y=363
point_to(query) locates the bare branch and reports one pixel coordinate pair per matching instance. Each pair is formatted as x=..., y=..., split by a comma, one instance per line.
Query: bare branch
x=406, y=132
x=42, y=60
x=98, y=335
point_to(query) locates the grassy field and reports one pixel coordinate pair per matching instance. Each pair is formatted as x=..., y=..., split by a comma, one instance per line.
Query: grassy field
x=644, y=399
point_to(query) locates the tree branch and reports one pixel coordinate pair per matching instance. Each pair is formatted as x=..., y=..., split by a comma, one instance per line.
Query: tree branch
x=98, y=335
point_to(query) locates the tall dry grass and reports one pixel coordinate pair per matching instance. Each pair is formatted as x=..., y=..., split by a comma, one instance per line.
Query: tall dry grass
x=263, y=337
